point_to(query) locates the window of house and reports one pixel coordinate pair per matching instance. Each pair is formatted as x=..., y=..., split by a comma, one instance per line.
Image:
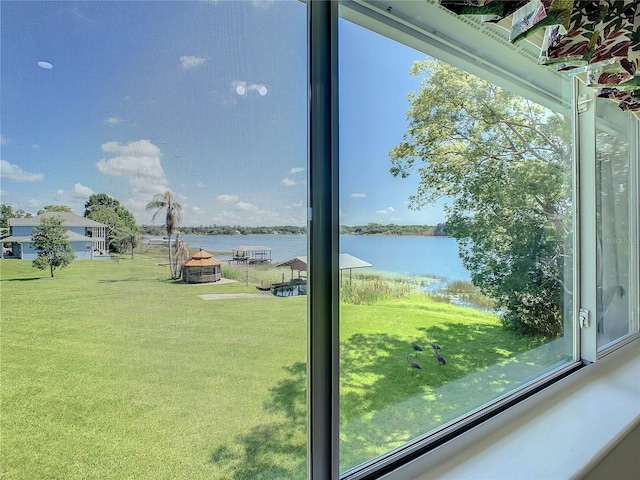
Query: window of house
x=427, y=174
x=491, y=211
x=459, y=194
x=616, y=234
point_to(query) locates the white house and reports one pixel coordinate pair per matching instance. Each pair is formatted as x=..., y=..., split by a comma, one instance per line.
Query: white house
x=88, y=238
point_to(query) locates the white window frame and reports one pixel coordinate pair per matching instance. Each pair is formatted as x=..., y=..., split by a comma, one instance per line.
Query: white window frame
x=400, y=22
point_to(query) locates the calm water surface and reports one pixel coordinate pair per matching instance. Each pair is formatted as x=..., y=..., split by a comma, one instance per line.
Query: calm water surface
x=437, y=256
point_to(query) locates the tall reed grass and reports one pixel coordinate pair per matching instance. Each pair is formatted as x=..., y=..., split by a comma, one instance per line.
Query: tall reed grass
x=463, y=293
x=371, y=287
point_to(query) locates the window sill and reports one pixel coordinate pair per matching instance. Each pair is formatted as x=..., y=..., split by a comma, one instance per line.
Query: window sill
x=561, y=432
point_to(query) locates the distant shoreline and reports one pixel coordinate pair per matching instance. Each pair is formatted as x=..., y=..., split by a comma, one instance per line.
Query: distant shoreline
x=372, y=229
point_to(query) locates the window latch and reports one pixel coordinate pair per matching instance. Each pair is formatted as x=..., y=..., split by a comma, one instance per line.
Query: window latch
x=583, y=103
x=583, y=318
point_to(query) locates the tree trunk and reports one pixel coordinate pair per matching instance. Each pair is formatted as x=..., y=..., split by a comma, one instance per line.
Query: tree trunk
x=171, y=260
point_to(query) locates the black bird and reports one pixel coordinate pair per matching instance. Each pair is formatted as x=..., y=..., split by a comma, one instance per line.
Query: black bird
x=435, y=346
x=413, y=364
x=416, y=347
x=440, y=358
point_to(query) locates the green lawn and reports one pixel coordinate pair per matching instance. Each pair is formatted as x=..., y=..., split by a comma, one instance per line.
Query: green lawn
x=110, y=371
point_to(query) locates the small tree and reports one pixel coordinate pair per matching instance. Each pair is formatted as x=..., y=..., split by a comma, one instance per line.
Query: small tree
x=166, y=202
x=129, y=237
x=51, y=241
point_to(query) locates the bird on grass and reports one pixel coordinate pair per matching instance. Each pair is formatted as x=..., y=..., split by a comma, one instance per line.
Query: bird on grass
x=435, y=346
x=440, y=358
x=413, y=365
x=416, y=347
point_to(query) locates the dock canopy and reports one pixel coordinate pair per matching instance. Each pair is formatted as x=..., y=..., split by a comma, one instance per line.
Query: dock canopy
x=346, y=262
x=251, y=254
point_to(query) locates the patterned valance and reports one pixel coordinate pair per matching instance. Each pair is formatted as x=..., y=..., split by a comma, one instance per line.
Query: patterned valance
x=598, y=38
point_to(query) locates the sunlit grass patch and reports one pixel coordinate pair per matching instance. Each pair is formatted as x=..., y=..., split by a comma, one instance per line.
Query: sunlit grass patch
x=110, y=366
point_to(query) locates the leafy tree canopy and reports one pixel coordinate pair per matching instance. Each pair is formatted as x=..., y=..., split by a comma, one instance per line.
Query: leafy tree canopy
x=55, y=208
x=501, y=161
x=51, y=241
x=121, y=222
x=7, y=212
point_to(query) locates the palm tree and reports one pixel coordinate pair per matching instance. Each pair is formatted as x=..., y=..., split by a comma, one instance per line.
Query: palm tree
x=166, y=201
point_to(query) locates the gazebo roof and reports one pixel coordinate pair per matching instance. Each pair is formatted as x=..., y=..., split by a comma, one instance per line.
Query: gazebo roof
x=202, y=259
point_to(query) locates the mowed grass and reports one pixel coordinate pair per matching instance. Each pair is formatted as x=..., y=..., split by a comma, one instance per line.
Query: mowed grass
x=110, y=371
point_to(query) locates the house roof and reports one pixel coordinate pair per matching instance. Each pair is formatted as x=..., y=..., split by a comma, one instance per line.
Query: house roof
x=202, y=259
x=346, y=262
x=68, y=220
x=72, y=236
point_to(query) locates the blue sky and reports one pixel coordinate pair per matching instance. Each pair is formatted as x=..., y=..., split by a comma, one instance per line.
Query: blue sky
x=206, y=99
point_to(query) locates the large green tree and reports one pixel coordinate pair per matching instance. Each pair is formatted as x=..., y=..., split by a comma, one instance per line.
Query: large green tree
x=55, y=208
x=51, y=240
x=166, y=202
x=123, y=229
x=501, y=164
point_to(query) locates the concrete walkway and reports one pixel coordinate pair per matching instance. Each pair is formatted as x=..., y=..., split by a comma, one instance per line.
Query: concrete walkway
x=231, y=296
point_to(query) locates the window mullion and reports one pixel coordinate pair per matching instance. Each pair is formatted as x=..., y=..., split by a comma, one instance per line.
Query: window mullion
x=587, y=256
x=323, y=337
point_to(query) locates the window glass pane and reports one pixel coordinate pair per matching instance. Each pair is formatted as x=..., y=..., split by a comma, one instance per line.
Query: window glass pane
x=113, y=114
x=615, y=222
x=457, y=195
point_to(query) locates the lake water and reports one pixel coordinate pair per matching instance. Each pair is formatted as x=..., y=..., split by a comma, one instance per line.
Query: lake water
x=437, y=256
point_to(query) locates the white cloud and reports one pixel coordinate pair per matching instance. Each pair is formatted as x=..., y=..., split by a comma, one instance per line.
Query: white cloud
x=138, y=159
x=196, y=210
x=112, y=120
x=3, y=140
x=295, y=170
x=246, y=207
x=200, y=185
x=287, y=182
x=82, y=191
x=3, y=193
x=386, y=211
x=14, y=173
x=139, y=163
x=191, y=61
x=358, y=195
x=227, y=198
x=59, y=196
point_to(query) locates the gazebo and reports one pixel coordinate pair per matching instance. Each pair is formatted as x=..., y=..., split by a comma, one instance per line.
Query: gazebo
x=201, y=268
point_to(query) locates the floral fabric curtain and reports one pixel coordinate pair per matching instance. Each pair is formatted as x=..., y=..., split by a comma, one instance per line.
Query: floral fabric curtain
x=599, y=38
